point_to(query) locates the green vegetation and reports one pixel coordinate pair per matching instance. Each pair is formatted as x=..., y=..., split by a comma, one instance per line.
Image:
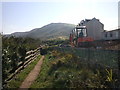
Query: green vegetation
x=43, y=74
x=106, y=57
x=14, y=52
x=50, y=31
x=65, y=70
x=19, y=78
x=56, y=42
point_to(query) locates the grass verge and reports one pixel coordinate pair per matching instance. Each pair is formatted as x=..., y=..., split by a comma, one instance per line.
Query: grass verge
x=39, y=82
x=17, y=81
x=65, y=70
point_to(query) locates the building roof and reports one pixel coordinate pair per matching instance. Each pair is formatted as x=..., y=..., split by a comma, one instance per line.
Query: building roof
x=112, y=30
x=87, y=20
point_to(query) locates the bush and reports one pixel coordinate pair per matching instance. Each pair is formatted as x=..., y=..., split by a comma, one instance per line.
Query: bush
x=14, y=51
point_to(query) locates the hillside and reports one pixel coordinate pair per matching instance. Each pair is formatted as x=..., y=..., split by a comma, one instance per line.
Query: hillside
x=50, y=31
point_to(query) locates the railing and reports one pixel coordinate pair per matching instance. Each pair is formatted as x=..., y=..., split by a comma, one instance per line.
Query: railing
x=31, y=56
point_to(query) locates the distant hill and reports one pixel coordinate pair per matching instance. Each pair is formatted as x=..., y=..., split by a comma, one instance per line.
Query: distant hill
x=50, y=31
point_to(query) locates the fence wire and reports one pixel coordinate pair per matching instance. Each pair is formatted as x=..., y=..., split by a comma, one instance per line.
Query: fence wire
x=108, y=58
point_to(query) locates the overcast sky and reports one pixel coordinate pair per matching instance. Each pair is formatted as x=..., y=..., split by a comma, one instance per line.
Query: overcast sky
x=25, y=16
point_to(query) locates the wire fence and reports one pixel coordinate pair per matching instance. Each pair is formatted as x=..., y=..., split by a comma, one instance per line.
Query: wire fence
x=106, y=57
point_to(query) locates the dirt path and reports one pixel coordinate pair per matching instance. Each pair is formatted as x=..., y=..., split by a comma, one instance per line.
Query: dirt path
x=32, y=75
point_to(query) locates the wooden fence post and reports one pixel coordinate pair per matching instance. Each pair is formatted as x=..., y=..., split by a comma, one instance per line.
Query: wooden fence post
x=31, y=56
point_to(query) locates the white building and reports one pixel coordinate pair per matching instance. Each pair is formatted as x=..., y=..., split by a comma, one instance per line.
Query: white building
x=94, y=28
x=111, y=35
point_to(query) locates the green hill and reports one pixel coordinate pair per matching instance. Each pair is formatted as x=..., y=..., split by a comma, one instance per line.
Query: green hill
x=50, y=31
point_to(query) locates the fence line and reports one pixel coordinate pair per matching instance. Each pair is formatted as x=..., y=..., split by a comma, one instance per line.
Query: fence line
x=106, y=57
x=31, y=56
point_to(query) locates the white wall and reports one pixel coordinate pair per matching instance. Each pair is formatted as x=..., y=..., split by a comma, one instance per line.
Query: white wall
x=115, y=35
x=94, y=29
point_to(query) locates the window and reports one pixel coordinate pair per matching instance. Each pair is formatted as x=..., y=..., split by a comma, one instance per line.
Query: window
x=82, y=32
x=111, y=34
